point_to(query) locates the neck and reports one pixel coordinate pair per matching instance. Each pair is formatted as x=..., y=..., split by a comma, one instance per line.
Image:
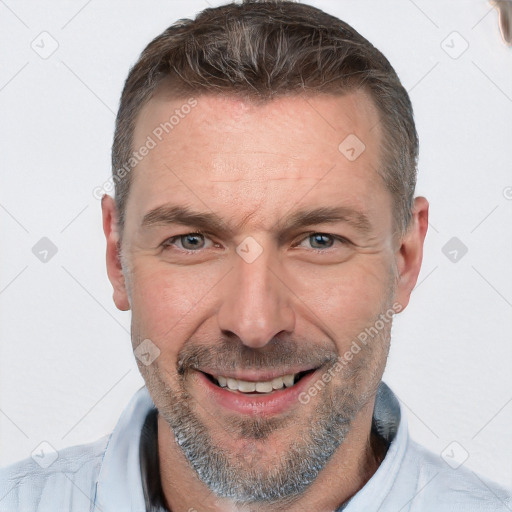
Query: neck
x=352, y=465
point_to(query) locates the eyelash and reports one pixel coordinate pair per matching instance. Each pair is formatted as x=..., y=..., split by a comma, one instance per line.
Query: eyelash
x=170, y=241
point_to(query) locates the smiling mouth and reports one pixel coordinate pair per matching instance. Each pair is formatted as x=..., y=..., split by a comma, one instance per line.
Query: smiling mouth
x=257, y=387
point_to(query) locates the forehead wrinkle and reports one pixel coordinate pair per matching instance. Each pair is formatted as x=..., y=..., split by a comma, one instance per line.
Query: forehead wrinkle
x=259, y=152
x=235, y=180
x=246, y=219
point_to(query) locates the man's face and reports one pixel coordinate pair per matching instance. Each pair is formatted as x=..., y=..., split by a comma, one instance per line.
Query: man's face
x=299, y=261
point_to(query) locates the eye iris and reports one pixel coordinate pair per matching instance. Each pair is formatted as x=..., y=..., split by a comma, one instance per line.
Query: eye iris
x=323, y=241
x=192, y=241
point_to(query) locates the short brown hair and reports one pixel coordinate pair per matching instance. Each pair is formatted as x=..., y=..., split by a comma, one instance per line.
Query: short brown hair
x=265, y=49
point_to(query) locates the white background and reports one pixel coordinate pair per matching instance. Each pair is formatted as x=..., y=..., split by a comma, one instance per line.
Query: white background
x=66, y=366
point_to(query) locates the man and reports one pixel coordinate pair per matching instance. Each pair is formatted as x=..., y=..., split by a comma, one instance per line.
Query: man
x=263, y=234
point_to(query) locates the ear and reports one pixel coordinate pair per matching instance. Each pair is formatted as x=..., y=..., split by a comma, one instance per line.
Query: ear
x=410, y=253
x=114, y=268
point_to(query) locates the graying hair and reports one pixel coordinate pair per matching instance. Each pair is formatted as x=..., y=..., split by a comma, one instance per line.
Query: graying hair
x=259, y=50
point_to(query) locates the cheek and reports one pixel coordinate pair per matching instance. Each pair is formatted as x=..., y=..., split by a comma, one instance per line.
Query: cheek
x=349, y=297
x=165, y=302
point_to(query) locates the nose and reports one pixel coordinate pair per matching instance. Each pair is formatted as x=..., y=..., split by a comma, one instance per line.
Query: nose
x=256, y=304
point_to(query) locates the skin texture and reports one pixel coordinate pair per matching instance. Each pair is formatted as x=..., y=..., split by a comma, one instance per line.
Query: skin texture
x=303, y=300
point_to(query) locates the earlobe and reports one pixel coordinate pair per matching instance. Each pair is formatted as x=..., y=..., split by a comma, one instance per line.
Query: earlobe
x=113, y=255
x=409, y=255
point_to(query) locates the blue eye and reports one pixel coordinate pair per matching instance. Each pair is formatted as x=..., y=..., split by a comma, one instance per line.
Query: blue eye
x=321, y=241
x=195, y=242
x=192, y=241
x=188, y=242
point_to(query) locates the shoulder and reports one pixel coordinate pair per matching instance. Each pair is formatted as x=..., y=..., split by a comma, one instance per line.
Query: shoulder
x=38, y=483
x=444, y=482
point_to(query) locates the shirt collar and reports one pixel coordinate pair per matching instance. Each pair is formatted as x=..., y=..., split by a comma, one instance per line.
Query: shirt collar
x=392, y=425
x=119, y=485
x=130, y=464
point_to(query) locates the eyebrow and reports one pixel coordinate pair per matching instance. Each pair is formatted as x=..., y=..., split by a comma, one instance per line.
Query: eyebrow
x=210, y=222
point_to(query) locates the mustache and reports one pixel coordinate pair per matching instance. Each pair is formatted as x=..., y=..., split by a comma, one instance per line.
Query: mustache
x=228, y=354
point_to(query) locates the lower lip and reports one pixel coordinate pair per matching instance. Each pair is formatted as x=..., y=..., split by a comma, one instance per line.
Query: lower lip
x=256, y=405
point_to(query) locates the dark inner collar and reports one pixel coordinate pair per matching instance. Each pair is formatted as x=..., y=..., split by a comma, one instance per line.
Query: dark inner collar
x=150, y=465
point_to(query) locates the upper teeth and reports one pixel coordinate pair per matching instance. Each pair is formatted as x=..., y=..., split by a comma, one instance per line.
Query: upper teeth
x=261, y=387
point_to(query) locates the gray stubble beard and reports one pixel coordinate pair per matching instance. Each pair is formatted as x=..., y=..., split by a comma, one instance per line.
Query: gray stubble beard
x=241, y=480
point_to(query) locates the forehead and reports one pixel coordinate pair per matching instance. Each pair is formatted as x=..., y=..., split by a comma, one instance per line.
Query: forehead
x=215, y=151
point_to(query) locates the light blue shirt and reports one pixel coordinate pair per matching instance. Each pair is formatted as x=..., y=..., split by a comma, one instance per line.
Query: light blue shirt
x=105, y=476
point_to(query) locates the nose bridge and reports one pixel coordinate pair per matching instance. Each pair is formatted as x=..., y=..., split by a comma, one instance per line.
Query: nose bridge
x=255, y=303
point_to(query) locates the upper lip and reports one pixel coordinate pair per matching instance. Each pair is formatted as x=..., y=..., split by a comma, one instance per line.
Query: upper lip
x=256, y=375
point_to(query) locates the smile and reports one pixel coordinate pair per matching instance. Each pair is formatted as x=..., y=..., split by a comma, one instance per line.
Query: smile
x=255, y=393
x=258, y=386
